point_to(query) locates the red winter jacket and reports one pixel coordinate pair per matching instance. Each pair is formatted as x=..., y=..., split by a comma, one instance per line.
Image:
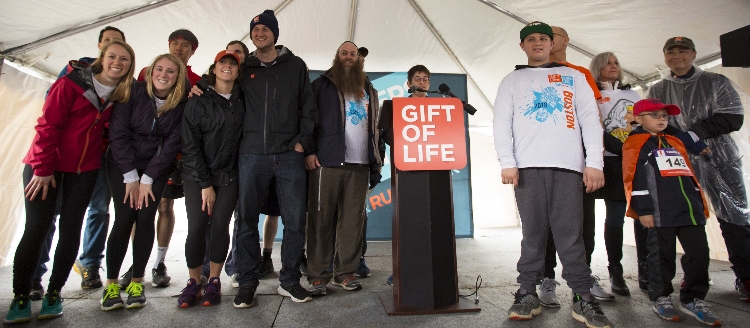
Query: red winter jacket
x=69, y=132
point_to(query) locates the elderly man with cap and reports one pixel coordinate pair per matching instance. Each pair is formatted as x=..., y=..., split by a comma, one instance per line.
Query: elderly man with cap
x=280, y=115
x=711, y=110
x=545, y=113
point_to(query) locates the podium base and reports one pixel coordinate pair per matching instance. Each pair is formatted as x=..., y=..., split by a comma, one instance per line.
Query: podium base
x=389, y=305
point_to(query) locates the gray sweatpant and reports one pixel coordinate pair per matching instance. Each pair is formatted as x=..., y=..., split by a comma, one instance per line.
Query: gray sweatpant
x=552, y=199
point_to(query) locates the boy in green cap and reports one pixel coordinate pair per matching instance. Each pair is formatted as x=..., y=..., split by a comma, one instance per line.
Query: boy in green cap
x=545, y=113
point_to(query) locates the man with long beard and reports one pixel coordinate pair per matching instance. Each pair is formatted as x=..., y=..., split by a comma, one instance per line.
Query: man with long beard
x=343, y=155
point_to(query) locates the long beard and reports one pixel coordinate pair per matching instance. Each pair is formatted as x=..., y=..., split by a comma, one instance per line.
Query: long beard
x=350, y=82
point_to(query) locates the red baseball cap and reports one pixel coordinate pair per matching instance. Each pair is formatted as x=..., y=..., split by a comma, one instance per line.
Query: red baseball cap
x=652, y=104
x=225, y=53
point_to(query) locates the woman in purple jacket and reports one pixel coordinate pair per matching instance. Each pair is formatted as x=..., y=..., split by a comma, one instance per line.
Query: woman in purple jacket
x=145, y=137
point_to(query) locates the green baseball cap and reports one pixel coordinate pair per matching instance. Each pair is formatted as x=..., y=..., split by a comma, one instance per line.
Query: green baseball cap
x=536, y=27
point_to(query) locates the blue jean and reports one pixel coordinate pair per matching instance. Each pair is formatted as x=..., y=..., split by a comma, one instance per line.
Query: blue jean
x=256, y=172
x=95, y=234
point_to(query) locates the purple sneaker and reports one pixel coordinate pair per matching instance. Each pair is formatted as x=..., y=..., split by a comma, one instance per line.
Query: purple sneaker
x=190, y=294
x=212, y=295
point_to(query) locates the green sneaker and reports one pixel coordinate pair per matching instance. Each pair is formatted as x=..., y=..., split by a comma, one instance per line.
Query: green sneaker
x=51, y=305
x=136, y=297
x=20, y=310
x=111, y=299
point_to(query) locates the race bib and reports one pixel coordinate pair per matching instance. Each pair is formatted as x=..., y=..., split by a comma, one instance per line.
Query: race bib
x=671, y=163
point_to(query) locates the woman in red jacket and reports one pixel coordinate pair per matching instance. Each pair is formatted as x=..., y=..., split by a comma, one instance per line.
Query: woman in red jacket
x=144, y=138
x=66, y=153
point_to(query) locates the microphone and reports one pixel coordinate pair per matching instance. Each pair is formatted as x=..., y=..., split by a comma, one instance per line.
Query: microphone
x=444, y=89
x=414, y=89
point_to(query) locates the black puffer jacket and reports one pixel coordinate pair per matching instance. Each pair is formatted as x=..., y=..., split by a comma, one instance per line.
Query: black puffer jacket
x=211, y=132
x=280, y=105
x=134, y=137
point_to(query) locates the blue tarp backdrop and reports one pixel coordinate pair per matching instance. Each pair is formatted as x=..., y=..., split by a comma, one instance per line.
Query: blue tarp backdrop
x=379, y=201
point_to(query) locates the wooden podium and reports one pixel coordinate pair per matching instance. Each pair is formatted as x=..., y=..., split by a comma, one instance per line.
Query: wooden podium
x=425, y=279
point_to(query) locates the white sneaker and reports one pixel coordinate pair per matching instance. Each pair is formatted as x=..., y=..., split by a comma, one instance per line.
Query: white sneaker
x=547, y=295
x=599, y=292
x=233, y=280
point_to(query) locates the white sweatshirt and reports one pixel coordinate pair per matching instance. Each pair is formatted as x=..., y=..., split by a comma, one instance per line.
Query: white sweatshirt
x=544, y=117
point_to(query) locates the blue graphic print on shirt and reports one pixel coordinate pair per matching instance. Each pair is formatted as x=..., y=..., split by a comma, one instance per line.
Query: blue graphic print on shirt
x=356, y=112
x=544, y=105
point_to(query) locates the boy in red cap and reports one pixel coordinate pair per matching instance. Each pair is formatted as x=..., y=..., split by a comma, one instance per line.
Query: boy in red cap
x=665, y=196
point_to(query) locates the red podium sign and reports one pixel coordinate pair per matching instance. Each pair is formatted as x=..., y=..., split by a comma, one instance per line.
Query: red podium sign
x=428, y=134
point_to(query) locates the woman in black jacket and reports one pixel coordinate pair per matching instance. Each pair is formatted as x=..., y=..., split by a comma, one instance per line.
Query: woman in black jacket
x=211, y=132
x=144, y=140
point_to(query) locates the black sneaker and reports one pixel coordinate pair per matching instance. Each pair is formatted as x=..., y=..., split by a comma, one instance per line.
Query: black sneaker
x=111, y=299
x=125, y=279
x=245, y=297
x=90, y=278
x=587, y=310
x=159, y=276
x=37, y=290
x=295, y=292
x=136, y=296
x=266, y=267
x=362, y=269
x=525, y=306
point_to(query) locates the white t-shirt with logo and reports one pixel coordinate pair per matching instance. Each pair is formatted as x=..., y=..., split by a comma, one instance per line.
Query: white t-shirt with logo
x=356, y=129
x=543, y=117
x=616, y=107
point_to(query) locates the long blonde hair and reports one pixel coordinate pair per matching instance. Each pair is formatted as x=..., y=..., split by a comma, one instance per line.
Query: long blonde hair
x=178, y=89
x=121, y=93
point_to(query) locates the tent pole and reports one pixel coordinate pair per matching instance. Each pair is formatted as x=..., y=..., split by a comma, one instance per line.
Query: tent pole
x=85, y=27
x=437, y=35
x=352, y=20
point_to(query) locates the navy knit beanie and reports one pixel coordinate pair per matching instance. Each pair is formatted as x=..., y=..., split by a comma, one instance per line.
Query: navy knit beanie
x=268, y=19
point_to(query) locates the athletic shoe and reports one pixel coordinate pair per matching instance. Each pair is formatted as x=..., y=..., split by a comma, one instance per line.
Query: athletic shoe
x=317, y=288
x=303, y=265
x=125, y=279
x=111, y=299
x=190, y=294
x=245, y=297
x=233, y=280
x=587, y=310
x=37, y=290
x=20, y=310
x=700, y=311
x=295, y=292
x=212, y=295
x=89, y=276
x=350, y=283
x=51, y=305
x=136, y=296
x=389, y=281
x=599, y=292
x=362, y=269
x=547, y=295
x=663, y=308
x=743, y=287
x=159, y=277
x=204, y=280
x=266, y=267
x=329, y=270
x=525, y=306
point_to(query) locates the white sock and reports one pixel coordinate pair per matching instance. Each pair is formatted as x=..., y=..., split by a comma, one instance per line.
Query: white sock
x=161, y=253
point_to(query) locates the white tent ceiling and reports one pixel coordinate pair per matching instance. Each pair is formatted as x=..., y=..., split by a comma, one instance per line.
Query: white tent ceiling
x=451, y=36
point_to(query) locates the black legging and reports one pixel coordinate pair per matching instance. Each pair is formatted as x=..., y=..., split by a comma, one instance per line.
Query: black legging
x=125, y=217
x=195, y=244
x=76, y=194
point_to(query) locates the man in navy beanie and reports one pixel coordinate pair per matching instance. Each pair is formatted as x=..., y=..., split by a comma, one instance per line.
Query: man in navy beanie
x=280, y=115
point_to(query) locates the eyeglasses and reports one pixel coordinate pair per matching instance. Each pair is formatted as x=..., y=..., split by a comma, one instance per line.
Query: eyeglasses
x=563, y=35
x=657, y=116
x=421, y=79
